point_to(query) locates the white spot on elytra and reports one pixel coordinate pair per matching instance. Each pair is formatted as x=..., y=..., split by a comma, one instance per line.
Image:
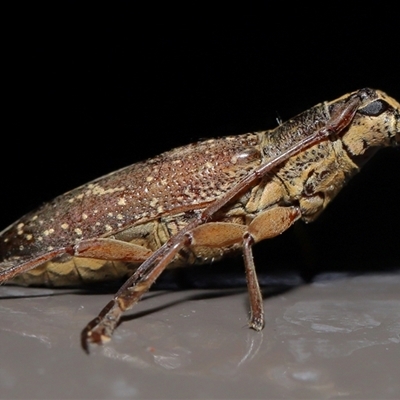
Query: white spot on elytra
x=19, y=228
x=153, y=202
x=121, y=201
x=84, y=216
x=209, y=165
x=78, y=231
x=65, y=226
x=98, y=190
x=48, y=232
x=108, y=228
x=120, y=216
x=29, y=237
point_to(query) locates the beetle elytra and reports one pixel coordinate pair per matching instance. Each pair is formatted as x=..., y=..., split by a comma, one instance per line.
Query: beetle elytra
x=197, y=203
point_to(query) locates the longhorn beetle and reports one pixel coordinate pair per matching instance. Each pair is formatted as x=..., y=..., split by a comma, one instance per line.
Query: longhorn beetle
x=197, y=203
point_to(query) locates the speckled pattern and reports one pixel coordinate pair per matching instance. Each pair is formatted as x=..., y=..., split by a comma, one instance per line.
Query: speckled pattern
x=182, y=179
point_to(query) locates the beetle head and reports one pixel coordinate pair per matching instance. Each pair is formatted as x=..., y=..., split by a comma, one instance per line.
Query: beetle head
x=376, y=124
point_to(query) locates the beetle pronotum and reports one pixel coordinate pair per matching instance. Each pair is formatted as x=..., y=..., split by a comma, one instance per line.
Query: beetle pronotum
x=196, y=203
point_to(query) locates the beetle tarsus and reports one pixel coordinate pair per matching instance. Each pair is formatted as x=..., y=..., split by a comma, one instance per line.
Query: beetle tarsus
x=257, y=323
x=99, y=330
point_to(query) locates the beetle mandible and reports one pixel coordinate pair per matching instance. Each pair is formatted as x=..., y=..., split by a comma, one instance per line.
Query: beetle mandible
x=197, y=203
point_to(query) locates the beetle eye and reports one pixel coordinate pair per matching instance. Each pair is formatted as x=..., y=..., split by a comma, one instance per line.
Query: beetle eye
x=375, y=108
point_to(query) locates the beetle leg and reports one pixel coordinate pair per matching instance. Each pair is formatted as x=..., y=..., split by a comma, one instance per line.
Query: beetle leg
x=256, y=320
x=10, y=269
x=100, y=329
x=272, y=222
x=111, y=249
x=266, y=225
x=217, y=234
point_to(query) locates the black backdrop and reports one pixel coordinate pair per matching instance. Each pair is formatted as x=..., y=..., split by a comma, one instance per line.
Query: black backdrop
x=92, y=87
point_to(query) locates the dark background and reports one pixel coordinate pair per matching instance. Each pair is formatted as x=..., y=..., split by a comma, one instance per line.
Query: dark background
x=92, y=87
